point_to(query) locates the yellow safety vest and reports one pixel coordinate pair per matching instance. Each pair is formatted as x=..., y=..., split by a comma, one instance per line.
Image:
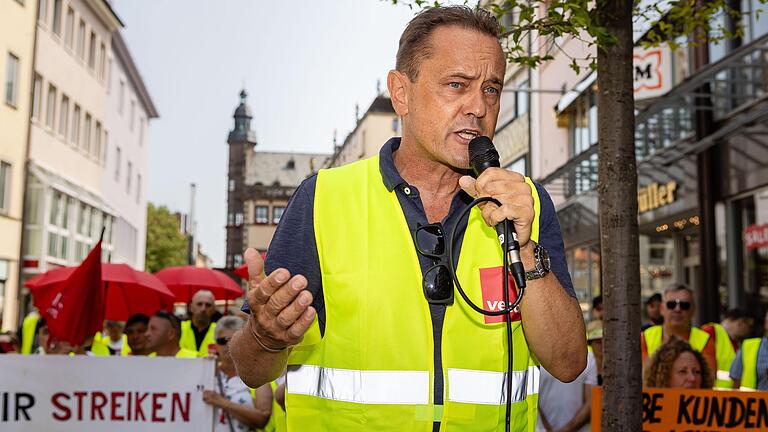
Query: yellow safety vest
x=100, y=346
x=183, y=353
x=28, y=332
x=749, y=349
x=698, y=338
x=188, y=341
x=725, y=354
x=373, y=370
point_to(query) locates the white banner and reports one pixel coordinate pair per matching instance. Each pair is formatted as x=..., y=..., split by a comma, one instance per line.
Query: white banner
x=81, y=393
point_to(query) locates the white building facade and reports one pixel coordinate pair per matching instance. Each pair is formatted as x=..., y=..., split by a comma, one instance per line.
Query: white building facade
x=125, y=154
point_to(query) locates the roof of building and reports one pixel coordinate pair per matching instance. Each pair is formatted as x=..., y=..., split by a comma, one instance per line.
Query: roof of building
x=124, y=56
x=284, y=169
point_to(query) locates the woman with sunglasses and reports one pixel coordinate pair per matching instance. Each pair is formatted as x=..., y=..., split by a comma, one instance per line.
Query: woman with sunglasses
x=678, y=308
x=236, y=410
x=677, y=365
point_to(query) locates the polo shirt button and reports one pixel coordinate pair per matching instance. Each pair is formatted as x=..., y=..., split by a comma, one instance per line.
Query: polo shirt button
x=407, y=190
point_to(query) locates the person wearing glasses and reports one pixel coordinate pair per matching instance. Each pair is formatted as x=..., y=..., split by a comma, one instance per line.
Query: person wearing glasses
x=233, y=402
x=359, y=303
x=678, y=309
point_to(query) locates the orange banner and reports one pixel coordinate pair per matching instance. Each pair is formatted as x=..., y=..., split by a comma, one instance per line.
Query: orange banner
x=681, y=410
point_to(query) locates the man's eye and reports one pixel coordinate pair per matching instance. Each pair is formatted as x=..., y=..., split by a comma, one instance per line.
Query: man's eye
x=492, y=90
x=455, y=85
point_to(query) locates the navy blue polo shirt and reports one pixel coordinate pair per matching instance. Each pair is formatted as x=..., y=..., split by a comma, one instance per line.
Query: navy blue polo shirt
x=293, y=246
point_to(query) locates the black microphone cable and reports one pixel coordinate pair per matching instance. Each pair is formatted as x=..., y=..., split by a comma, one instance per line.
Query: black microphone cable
x=505, y=293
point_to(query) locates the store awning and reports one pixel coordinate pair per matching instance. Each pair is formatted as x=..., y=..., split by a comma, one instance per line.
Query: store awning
x=62, y=184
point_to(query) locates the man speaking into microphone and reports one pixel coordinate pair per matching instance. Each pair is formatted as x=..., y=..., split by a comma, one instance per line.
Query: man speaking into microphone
x=356, y=298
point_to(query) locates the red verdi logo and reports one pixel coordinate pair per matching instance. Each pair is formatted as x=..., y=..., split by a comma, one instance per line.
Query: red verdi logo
x=493, y=299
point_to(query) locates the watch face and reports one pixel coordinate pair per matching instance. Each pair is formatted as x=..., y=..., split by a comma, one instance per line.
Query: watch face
x=542, y=258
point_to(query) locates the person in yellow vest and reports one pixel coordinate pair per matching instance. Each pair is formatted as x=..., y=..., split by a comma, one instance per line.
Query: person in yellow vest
x=197, y=333
x=135, y=334
x=677, y=309
x=30, y=330
x=163, y=336
x=727, y=336
x=749, y=369
x=235, y=407
x=112, y=341
x=358, y=304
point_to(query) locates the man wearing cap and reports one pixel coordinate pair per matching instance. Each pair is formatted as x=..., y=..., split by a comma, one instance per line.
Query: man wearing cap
x=653, y=312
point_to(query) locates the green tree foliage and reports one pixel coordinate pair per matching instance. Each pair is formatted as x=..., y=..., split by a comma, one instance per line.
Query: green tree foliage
x=166, y=246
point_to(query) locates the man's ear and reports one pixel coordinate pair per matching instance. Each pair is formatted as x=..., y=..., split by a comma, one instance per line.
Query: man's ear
x=397, y=83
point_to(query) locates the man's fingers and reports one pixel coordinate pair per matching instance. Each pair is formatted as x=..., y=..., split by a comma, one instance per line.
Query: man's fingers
x=293, y=311
x=255, y=266
x=297, y=330
x=502, y=187
x=468, y=184
x=264, y=290
x=285, y=295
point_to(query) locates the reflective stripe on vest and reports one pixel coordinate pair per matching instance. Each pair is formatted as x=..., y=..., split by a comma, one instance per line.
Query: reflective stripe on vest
x=28, y=332
x=724, y=354
x=698, y=338
x=374, y=366
x=366, y=387
x=749, y=349
x=188, y=341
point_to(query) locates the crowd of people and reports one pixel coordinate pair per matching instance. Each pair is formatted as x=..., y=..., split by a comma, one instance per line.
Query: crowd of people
x=676, y=354
x=205, y=333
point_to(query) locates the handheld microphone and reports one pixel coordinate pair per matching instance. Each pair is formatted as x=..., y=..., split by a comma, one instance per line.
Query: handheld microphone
x=483, y=155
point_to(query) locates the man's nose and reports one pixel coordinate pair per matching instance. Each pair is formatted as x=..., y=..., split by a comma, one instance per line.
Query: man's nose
x=475, y=104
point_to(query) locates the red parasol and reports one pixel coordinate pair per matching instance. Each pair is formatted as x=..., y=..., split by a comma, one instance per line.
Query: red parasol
x=185, y=281
x=128, y=291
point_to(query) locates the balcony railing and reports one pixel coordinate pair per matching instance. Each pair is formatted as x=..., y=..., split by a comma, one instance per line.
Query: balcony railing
x=665, y=130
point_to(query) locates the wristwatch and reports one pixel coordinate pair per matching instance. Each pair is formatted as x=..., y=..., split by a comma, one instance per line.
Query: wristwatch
x=543, y=264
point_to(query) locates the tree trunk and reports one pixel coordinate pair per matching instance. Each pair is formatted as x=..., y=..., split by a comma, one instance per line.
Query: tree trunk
x=617, y=189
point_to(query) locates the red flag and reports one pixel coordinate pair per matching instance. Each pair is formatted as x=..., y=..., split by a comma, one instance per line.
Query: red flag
x=77, y=311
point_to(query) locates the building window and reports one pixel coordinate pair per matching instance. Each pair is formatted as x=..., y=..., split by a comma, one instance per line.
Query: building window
x=5, y=187
x=37, y=97
x=57, y=17
x=521, y=99
x=238, y=219
x=583, y=123
x=238, y=260
x=87, y=133
x=132, y=120
x=81, y=39
x=138, y=188
x=118, y=161
x=121, y=97
x=11, y=80
x=518, y=165
x=42, y=10
x=128, y=175
x=102, y=60
x=97, y=142
x=69, y=27
x=261, y=214
x=104, y=154
x=277, y=213
x=109, y=76
x=75, y=138
x=231, y=185
x=142, y=122
x=51, y=107
x=64, y=116
x=92, y=52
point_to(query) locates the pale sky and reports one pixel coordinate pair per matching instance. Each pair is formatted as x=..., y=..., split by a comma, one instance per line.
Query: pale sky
x=305, y=64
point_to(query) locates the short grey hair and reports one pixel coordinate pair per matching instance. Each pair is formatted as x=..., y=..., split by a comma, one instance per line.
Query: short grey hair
x=677, y=286
x=230, y=322
x=203, y=292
